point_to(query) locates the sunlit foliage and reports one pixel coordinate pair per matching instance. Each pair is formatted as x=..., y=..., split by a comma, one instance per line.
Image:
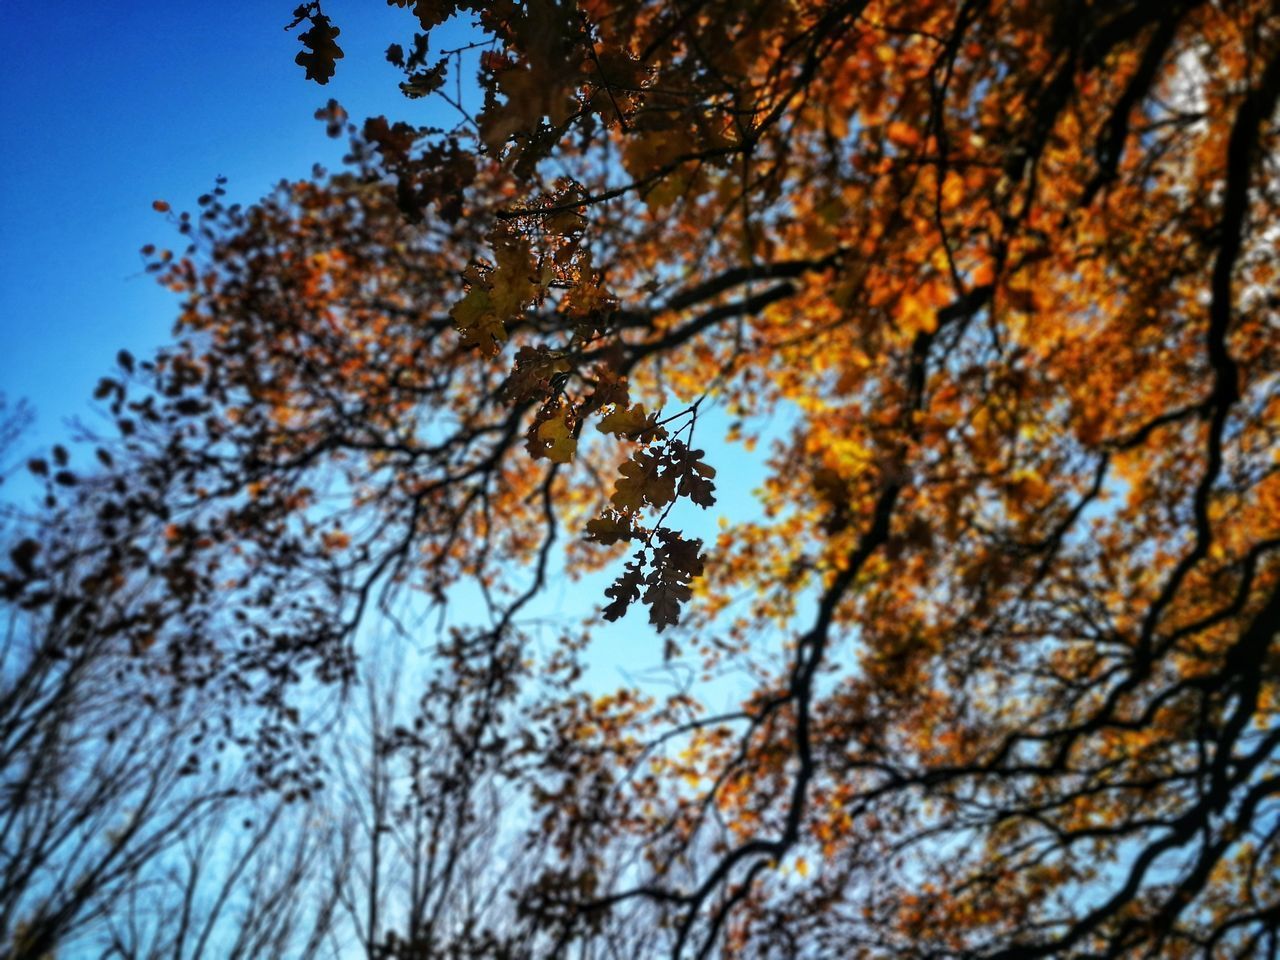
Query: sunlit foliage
x=993, y=282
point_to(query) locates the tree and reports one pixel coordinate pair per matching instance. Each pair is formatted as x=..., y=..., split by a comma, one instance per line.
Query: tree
x=131, y=825
x=96, y=767
x=1003, y=273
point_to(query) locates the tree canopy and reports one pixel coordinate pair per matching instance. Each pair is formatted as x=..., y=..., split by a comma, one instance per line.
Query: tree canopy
x=992, y=286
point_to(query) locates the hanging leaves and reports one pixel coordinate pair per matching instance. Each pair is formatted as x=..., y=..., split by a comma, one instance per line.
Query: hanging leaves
x=322, y=52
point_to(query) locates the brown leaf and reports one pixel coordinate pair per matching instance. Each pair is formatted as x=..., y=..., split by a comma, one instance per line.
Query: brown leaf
x=610, y=529
x=625, y=591
x=643, y=481
x=319, y=59
x=664, y=600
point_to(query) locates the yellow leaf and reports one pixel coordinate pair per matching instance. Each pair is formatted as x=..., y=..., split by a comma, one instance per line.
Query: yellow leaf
x=560, y=444
x=476, y=320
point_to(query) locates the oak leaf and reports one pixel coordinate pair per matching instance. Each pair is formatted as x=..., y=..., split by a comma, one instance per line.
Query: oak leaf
x=624, y=591
x=611, y=528
x=664, y=599
x=643, y=481
x=319, y=59
x=633, y=423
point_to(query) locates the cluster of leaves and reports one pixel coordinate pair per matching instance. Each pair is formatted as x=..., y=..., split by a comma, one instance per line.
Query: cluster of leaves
x=993, y=279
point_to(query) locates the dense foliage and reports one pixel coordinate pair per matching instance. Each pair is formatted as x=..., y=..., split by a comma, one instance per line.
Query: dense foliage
x=993, y=283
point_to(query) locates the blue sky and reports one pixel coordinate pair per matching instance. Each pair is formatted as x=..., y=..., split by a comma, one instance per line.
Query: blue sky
x=110, y=106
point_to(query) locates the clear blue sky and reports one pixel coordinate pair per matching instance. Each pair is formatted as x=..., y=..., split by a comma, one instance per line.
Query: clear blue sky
x=109, y=106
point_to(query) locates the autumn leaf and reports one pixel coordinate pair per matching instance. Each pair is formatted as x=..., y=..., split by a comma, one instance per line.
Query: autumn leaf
x=496, y=295
x=529, y=95
x=533, y=372
x=511, y=282
x=425, y=82
x=430, y=13
x=319, y=59
x=611, y=528
x=677, y=558
x=560, y=443
x=664, y=600
x=624, y=591
x=334, y=540
x=477, y=319
x=695, y=478
x=658, y=151
x=633, y=423
x=551, y=435
x=643, y=481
